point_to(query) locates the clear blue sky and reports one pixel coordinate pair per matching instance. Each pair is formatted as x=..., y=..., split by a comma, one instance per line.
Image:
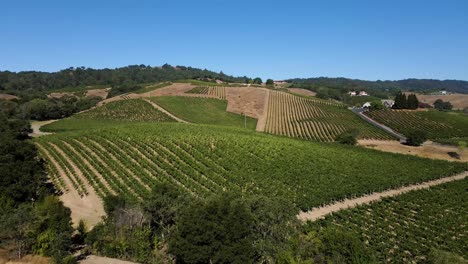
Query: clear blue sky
x=374, y=39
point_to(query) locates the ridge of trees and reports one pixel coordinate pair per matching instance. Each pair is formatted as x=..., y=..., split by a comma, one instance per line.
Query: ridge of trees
x=455, y=86
x=82, y=76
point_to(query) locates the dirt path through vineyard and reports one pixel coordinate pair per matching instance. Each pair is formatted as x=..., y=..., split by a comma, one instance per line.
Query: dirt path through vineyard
x=321, y=212
x=165, y=111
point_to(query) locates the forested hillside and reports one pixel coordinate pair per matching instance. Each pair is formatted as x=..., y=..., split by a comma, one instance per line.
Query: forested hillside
x=81, y=76
x=454, y=86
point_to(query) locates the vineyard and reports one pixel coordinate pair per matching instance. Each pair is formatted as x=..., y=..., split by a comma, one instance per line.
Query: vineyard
x=203, y=111
x=126, y=110
x=436, y=124
x=314, y=119
x=212, y=91
x=203, y=160
x=408, y=227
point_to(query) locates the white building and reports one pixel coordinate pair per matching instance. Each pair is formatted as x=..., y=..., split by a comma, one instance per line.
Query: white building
x=363, y=93
x=387, y=103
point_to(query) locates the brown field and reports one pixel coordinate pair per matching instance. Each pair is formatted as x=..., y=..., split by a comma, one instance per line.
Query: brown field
x=60, y=95
x=98, y=93
x=8, y=96
x=459, y=101
x=427, y=150
x=301, y=91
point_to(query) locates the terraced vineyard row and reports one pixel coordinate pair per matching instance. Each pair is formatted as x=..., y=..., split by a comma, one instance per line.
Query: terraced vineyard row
x=128, y=110
x=314, y=119
x=408, y=227
x=212, y=91
x=203, y=160
x=436, y=124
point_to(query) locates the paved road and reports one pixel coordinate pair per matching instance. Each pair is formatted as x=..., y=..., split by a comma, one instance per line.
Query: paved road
x=360, y=113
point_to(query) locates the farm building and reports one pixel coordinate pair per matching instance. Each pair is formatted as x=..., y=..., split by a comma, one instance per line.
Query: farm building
x=366, y=105
x=352, y=93
x=388, y=103
x=363, y=93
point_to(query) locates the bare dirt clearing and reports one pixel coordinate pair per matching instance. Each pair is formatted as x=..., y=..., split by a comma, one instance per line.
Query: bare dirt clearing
x=36, y=127
x=301, y=91
x=91, y=259
x=459, y=101
x=247, y=100
x=98, y=93
x=427, y=150
x=60, y=95
x=8, y=96
x=321, y=212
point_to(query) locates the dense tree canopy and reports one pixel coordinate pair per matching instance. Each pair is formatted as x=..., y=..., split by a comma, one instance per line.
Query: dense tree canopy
x=81, y=76
x=454, y=86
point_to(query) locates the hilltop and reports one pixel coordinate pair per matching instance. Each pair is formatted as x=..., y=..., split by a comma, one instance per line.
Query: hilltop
x=415, y=85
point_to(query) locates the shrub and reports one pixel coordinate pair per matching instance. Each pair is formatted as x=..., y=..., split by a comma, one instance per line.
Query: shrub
x=416, y=137
x=348, y=137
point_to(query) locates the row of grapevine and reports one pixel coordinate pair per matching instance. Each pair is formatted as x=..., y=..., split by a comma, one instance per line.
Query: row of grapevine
x=313, y=119
x=203, y=160
x=406, y=228
x=405, y=121
x=126, y=110
x=210, y=91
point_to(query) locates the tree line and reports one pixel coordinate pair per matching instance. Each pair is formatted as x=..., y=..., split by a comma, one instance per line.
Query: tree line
x=455, y=86
x=32, y=218
x=405, y=102
x=81, y=76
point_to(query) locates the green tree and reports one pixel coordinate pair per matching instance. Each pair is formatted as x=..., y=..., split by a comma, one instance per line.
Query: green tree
x=412, y=102
x=416, y=137
x=218, y=230
x=400, y=101
x=270, y=82
x=440, y=105
x=162, y=207
x=348, y=137
x=257, y=80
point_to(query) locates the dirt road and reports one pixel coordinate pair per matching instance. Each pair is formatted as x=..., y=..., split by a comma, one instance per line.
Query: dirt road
x=36, y=127
x=321, y=212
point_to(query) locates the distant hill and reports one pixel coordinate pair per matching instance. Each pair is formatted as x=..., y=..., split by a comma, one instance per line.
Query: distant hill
x=130, y=75
x=417, y=85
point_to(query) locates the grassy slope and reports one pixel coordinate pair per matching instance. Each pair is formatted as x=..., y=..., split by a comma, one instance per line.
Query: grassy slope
x=416, y=222
x=307, y=173
x=203, y=111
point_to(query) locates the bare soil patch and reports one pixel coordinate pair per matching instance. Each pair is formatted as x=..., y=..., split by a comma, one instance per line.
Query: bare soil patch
x=28, y=259
x=98, y=93
x=301, y=91
x=60, y=95
x=459, y=101
x=8, y=96
x=36, y=127
x=92, y=259
x=321, y=212
x=428, y=150
x=247, y=100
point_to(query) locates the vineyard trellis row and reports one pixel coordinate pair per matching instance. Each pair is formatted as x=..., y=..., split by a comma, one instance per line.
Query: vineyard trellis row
x=210, y=91
x=408, y=227
x=129, y=164
x=314, y=119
